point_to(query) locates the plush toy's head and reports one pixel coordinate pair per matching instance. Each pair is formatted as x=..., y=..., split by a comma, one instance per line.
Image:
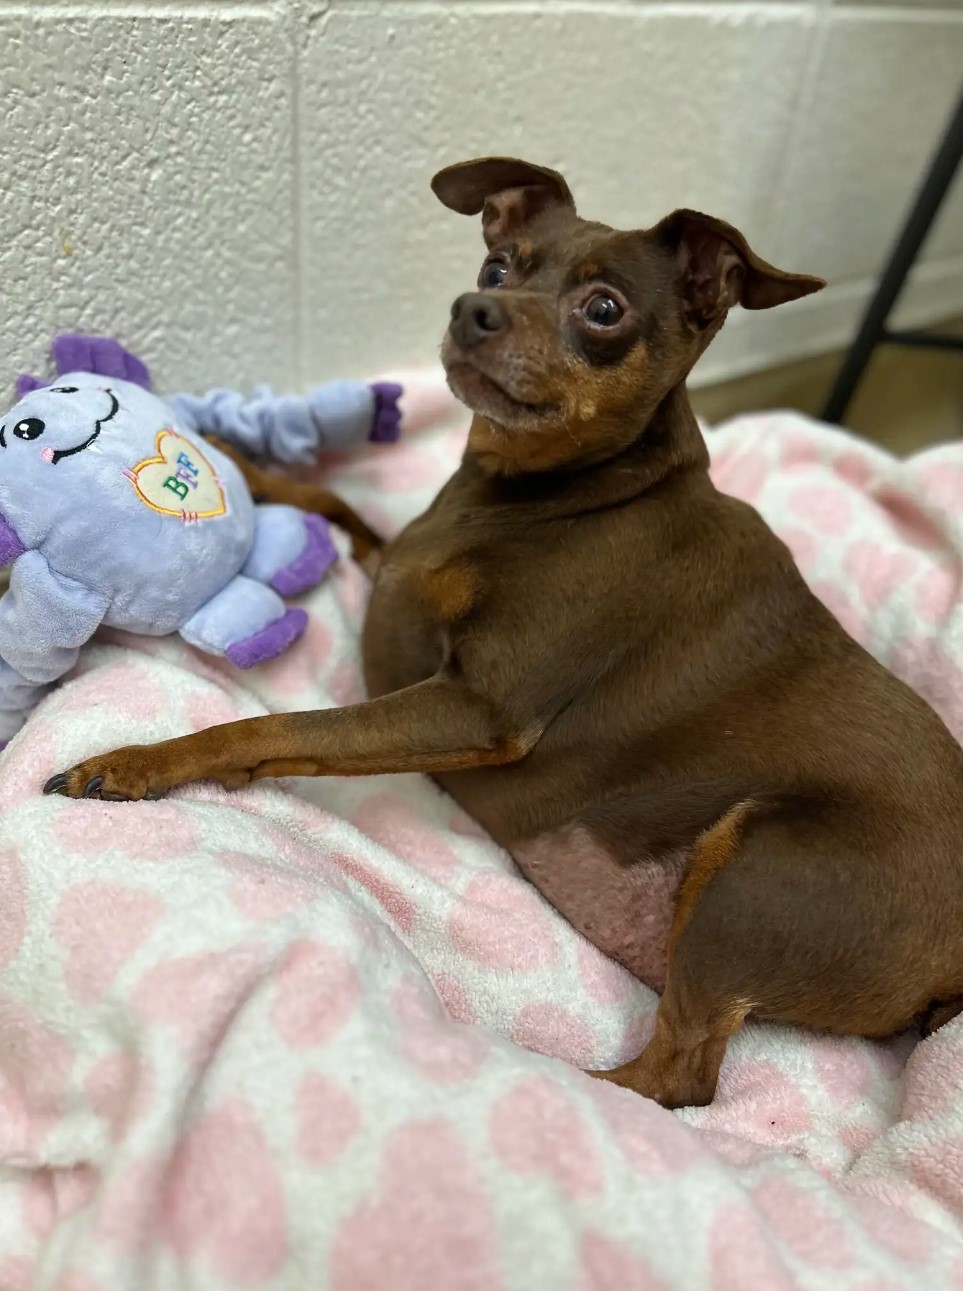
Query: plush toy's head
x=55, y=423
x=95, y=445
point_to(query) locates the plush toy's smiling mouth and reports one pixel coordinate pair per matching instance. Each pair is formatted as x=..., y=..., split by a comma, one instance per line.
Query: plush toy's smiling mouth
x=58, y=454
x=33, y=428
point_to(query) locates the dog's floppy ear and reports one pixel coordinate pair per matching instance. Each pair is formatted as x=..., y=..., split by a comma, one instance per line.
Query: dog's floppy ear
x=720, y=269
x=508, y=192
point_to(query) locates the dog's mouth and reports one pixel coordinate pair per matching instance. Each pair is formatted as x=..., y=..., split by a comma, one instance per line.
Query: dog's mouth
x=486, y=396
x=58, y=454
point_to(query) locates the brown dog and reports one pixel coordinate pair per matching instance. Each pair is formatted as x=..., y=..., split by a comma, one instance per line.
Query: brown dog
x=619, y=671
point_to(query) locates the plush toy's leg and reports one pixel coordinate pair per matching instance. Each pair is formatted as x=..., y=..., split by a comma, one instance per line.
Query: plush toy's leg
x=17, y=697
x=292, y=551
x=247, y=622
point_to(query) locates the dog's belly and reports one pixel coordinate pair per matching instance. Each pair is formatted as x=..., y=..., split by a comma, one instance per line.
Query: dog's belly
x=625, y=910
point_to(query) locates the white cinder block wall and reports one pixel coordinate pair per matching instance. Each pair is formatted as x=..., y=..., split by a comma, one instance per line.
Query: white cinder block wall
x=239, y=191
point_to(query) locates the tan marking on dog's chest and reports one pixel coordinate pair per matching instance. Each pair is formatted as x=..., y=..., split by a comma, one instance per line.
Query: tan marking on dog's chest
x=626, y=911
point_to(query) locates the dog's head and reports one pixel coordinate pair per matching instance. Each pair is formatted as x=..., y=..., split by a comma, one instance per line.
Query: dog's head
x=577, y=331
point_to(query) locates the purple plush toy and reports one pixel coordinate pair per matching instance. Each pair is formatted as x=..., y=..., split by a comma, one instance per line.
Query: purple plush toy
x=115, y=511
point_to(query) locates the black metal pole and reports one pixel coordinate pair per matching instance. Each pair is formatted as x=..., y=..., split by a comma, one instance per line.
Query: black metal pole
x=936, y=181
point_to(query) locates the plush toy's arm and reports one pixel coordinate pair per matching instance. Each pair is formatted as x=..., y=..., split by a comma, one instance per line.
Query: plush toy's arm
x=296, y=428
x=44, y=620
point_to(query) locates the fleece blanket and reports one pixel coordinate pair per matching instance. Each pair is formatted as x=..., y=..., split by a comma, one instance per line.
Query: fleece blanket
x=321, y=1033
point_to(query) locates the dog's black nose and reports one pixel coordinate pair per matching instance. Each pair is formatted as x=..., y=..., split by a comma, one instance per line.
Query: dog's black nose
x=475, y=317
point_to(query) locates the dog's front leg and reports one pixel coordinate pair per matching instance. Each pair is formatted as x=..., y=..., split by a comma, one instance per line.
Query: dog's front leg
x=438, y=725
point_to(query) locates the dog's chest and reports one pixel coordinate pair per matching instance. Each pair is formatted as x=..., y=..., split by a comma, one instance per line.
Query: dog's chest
x=625, y=910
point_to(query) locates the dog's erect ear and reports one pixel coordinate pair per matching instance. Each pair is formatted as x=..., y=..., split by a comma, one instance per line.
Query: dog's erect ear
x=720, y=269
x=509, y=193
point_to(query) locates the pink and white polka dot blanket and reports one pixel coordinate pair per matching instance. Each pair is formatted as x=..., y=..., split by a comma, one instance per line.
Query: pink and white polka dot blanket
x=321, y=1034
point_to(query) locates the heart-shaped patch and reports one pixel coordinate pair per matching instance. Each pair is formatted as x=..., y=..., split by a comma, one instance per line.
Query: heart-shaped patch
x=179, y=481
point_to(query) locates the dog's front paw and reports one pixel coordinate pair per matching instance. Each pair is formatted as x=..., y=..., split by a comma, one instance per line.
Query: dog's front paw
x=125, y=775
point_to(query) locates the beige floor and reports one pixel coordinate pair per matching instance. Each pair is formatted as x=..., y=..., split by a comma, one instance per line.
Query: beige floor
x=908, y=398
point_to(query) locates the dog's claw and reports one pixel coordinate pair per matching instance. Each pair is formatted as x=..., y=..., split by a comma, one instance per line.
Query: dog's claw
x=56, y=784
x=92, y=787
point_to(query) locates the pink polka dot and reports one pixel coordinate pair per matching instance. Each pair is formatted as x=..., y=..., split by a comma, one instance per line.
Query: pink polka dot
x=538, y=1129
x=128, y=1210
x=553, y=1030
x=803, y=545
x=223, y=1197
x=605, y=981
x=101, y=926
x=75, y=1281
x=741, y=1256
x=843, y=1069
x=329, y=1118
x=345, y=685
x=899, y=1234
x=855, y=467
x=937, y=591
x=199, y=995
x=732, y=1149
x=210, y=707
x=803, y=1223
x=389, y=819
x=401, y=471
x=16, y=1274
x=29, y=762
x=877, y=572
x=441, y=1050
x=937, y=1168
x=652, y=1140
x=500, y=923
x=825, y=508
x=746, y=475
x=51, y=1196
x=125, y=689
x=608, y=1266
x=759, y=1101
x=931, y=1085
x=353, y=589
x=263, y=892
x=13, y=906
x=317, y=991
x=141, y=831
x=461, y=823
x=456, y=1002
x=298, y=669
x=797, y=446
x=391, y=899
x=118, y=1089
x=857, y=1139
x=910, y=522
x=294, y=847
x=942, y=480
x=429, y=1223
x=35, y=1061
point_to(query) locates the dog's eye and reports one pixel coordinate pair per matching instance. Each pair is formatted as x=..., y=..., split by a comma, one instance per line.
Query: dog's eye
x=493, y=274
x=602, y=311
x=29, y=428
x=63, y=389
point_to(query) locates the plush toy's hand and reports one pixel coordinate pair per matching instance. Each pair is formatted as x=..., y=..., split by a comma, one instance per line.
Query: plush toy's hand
x=387, y=414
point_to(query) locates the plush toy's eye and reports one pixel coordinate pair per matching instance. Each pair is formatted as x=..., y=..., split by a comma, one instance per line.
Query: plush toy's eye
x=29, y=428
x=63, y=389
